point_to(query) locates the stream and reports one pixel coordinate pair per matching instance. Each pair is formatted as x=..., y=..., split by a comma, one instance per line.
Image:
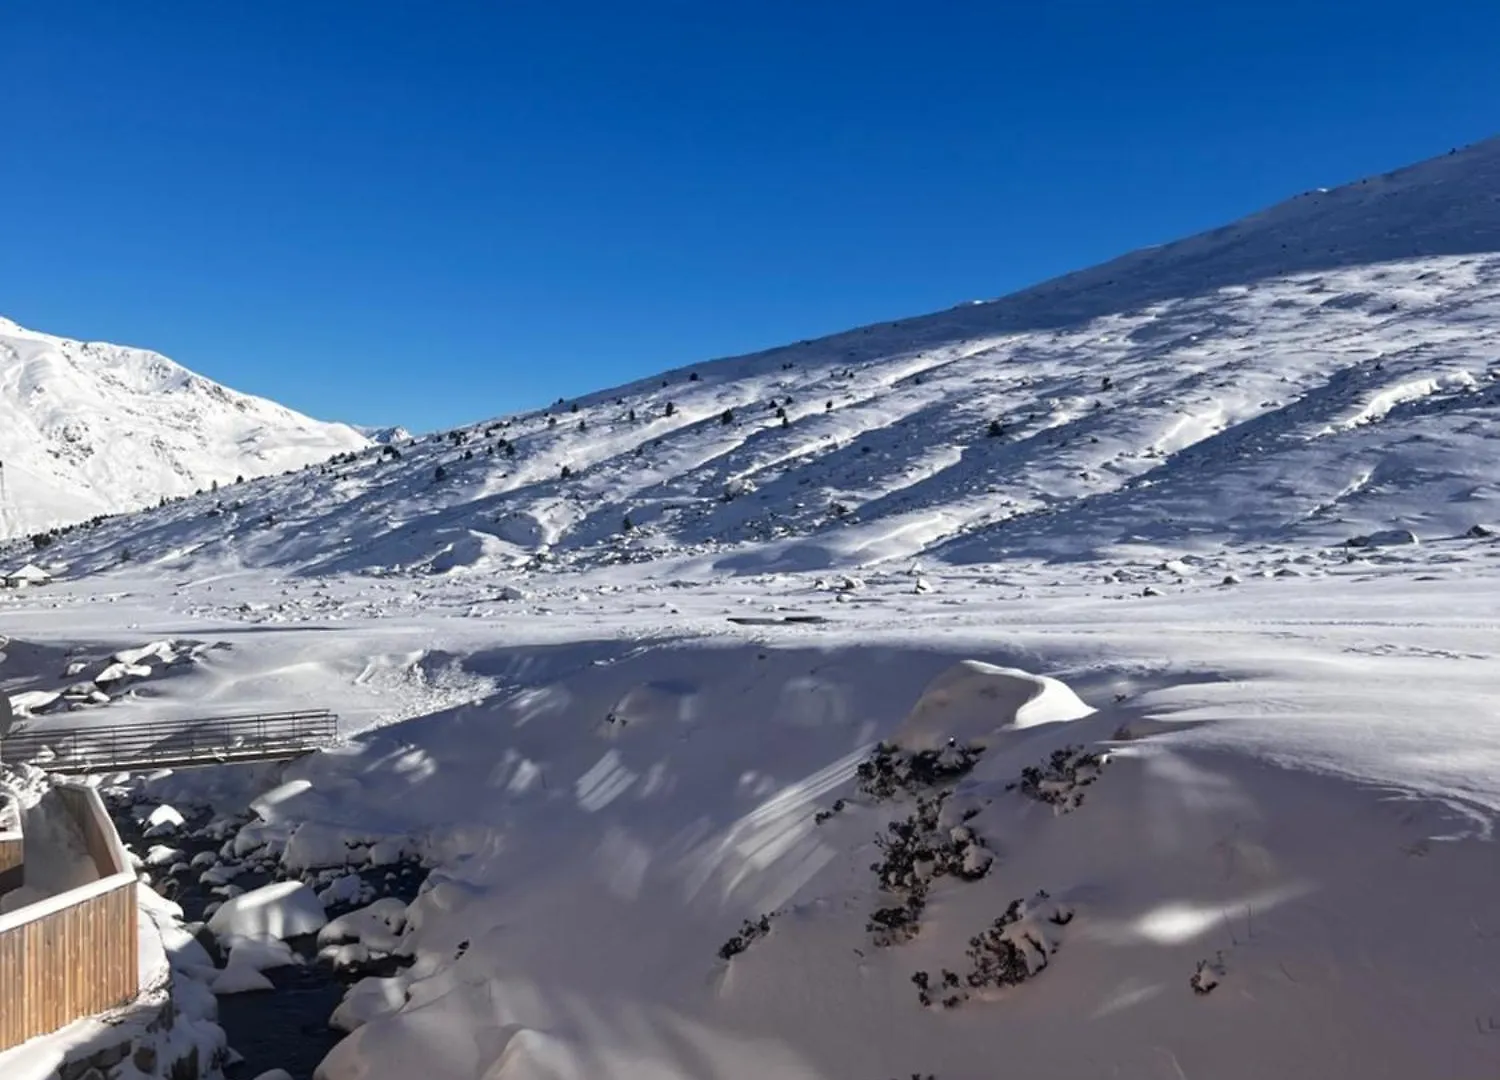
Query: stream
x=285, y=1028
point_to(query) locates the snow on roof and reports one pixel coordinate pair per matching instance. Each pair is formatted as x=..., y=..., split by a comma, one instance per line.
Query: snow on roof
x=29, y=572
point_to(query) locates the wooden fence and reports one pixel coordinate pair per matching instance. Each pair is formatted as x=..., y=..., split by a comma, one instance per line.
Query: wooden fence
x=74, y=954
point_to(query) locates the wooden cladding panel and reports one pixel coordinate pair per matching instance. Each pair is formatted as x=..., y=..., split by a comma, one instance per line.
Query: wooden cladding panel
x=11, y=853
x=68, y=964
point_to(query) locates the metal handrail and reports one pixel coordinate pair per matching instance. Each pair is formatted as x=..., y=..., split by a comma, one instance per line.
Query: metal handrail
x=240, y=737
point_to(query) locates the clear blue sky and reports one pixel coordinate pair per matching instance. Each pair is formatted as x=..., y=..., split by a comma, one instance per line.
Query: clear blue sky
x=432, y=212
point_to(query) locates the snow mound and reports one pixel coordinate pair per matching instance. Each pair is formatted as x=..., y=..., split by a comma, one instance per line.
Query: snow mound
x=377, y=926
x=367, y=1000
x=283, y=910
x=972, y=701
x=261, y=954
x=313, y=846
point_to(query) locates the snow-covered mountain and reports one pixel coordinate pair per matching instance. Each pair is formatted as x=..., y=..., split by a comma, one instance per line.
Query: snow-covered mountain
x=1143, y=772
x=1322, y=369
x=88, y=428
x=383, y=435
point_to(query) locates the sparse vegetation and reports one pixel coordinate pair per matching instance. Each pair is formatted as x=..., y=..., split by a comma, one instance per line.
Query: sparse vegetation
x=1060, y=780
x=1206, y=975
x=1010, y=951
x=748, y=934
x=889, y=770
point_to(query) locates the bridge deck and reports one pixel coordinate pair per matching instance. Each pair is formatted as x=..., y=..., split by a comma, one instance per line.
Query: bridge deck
x=172, y=744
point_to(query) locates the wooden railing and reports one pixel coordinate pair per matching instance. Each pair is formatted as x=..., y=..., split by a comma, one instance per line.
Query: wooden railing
x=74, y=954
x=172, y=744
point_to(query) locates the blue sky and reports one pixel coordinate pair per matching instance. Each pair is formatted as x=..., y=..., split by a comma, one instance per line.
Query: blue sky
x=430, y=213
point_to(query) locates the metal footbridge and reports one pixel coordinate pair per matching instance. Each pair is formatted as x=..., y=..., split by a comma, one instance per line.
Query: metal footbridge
x=172, y=744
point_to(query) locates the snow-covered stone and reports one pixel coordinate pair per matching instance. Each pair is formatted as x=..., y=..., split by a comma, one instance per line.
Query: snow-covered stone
x=281, y=910
x=367, y=1000
x=240, y=980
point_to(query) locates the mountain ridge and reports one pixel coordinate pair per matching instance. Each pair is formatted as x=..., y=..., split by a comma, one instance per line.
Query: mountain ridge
x=1321, y=368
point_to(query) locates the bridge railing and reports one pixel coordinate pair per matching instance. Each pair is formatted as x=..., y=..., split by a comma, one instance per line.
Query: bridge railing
x=74, y=954
x=105, y=748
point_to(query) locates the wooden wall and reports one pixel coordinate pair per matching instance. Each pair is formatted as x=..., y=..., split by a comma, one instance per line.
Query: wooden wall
x=68, y=964
x=10, y=851
x=76, y=954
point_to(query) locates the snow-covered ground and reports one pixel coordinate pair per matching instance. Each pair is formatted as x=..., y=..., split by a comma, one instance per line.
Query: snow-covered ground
x=1300, y=795
x=1217, y=657
x=88, y=428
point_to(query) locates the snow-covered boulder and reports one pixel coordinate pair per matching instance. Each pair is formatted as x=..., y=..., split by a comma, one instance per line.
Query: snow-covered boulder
x=240, y=980
x=162, y=855
x=283, y=910
x=1384, y=538
x=387, y=852
x=367, y=1000
x=313, y=846
x=378, y=926
x=261, y=954
x=163, y=821
x=343, y=957
x=344, y=890
x=118, y=672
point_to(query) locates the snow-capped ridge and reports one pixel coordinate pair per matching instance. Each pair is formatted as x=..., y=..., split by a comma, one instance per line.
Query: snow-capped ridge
x=89, y=429
x=1319, y=370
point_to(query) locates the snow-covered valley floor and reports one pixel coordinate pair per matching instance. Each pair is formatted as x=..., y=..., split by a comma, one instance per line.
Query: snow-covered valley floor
x=609, y=778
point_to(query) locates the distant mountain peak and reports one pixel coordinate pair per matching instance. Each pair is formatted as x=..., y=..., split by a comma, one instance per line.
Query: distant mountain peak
x=90, y=428
x=383, y=436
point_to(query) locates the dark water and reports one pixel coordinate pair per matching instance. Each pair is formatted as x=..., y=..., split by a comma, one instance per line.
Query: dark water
x=285, y=1028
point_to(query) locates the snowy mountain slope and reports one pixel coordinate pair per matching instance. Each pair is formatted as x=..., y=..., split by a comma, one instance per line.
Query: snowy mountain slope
x=631, y=761
x=1319, y=370
x=88, y=428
